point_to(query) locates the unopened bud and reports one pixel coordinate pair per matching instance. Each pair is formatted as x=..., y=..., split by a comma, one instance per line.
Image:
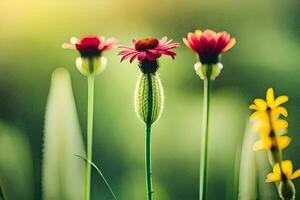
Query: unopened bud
x=149, y=86
x=91, y=66
x=204, y=71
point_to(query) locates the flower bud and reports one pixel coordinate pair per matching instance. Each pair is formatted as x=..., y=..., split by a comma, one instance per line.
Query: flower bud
x=203, y=71
x=91, y=66
x=287, y=190
x=149, y=86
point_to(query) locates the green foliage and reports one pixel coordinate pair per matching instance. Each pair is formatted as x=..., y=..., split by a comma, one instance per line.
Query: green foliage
x=16, y=173
x=248, y=177
x=62, y=173
x=2, y=194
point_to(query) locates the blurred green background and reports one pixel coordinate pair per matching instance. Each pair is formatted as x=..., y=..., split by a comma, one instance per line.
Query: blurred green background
x=267, y=54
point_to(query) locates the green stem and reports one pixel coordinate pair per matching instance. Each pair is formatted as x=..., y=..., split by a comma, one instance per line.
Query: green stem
x=90, y=110
x=204, y=137
x=148, y=140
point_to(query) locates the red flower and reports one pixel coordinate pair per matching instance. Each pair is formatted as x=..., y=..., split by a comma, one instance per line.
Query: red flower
x=209, y=44
x=149, y=48
x=90, y=46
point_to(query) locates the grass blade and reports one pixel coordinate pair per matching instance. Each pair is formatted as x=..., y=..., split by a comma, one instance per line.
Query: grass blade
x=102, y=176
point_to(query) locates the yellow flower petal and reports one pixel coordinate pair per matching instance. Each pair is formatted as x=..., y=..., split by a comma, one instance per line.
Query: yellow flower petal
x=287, y=168
x=280, y=100
x=296, y=174
x=253, y=107
x=270, y=97
x=263, y=144
x=283, y=142
x=272, y=177
x=276, y=169
x=258, y=145
x=257, y=116
x=276, y=112
x=198, y=33
x=280, y=126
x=261, y=104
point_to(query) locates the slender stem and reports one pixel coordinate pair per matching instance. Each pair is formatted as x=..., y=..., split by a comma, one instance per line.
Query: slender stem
x=148, y=162
x=275, y=140
x=90, y=110
x=148, y=140
x=204, y=137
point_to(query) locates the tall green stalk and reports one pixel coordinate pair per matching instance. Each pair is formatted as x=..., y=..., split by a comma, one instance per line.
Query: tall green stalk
x=90, y=110
x=204, y=137
x=148, y=139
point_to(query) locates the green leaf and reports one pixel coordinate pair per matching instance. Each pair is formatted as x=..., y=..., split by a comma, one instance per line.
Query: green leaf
x=248, y=176
x=16, y=171
x=2, y=194
x=101, y=175
x=62, y=174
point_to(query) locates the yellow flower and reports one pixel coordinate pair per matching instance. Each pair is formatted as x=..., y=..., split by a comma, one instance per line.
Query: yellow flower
x=287, y=168
x=271, y=102
x=267, y=143
x=267, y=113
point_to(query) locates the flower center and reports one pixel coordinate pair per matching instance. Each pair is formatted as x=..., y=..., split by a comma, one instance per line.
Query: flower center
x=145, y=44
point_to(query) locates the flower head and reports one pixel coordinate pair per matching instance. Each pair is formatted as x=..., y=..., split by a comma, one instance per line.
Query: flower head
x=91, y=61
x=267, y=113
x=90, y=46
x=209, y=45
x=270, y=103
x=287, y=168
x=148, y=49
x=268, y=123
x=268, y=143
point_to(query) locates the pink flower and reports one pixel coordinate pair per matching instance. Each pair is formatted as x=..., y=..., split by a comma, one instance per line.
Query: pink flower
x=90, y=46
x=209, y=45
x=149, y=48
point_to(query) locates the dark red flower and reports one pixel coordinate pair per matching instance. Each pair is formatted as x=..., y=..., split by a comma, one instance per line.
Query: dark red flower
x=149, y=48
x=209, y=45
x=90, y=46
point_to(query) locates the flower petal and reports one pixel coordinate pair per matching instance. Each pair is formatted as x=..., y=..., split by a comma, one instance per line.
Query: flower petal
x=276, y=112
x=253, y=107
x=280, y=126
x=270, y=97
x=283, y=142
x=261, y=104
x=272, y=177
x=261, y=145
x=280, y=100
x=296, y=174
x=229, y=45
x=198, y=33
x=287, y=167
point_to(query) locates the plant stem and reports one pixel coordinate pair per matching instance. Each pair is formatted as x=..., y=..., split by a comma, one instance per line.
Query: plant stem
x=148, y=140
x=90, y=110
x=204, y=137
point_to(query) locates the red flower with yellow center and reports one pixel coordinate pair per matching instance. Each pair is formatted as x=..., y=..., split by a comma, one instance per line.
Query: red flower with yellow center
x=149, y=49
x=209, y=45
x=90, y=46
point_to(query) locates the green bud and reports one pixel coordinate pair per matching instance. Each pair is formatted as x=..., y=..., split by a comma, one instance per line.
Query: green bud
x=91, y=66
x=202, y=70
x=287, y=190
x=149, y=85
